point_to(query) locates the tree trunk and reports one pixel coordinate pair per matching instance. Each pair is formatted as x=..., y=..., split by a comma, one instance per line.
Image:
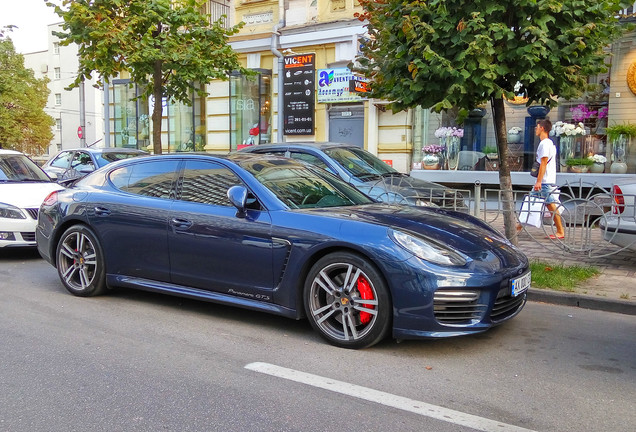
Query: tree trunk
x=157, y=92
x=505, y=181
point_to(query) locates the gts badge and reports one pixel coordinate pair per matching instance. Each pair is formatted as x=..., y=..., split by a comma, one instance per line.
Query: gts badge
x=262, y=297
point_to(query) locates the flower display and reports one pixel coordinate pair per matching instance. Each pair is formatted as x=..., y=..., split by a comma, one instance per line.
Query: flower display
x=602, y=113
x=514, y=130
x=561, y=128
x=449, y=132
x=582, y=112
x=597, y=158
x=433, y=149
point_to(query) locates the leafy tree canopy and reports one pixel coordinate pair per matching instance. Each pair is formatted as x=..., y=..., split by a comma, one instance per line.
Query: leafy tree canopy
x=164, y=45
x=455, y=54
x=451, y=53
x=24, y=126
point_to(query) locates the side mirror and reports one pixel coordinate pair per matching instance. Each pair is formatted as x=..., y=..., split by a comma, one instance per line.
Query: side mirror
x=238, y=197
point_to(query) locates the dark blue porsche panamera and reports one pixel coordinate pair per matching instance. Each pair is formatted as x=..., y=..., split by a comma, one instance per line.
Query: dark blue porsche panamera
x=276, y=235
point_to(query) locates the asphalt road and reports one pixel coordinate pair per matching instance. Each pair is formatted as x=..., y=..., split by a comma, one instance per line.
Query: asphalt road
x=136, y=361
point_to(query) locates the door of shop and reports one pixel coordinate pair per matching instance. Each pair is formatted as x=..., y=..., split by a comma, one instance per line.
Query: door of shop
x=346, y=125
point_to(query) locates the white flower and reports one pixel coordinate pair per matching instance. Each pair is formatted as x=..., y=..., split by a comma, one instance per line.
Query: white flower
x=560, y=128
x=597, y=158
x=515, y=130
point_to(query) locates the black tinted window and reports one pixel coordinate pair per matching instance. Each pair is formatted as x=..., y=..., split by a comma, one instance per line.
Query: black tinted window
x=153, y=179
x=207, y=183
x=305, y=157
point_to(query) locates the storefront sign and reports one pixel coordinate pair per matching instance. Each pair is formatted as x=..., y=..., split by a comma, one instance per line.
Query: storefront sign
x=334, y=86
x=298, y=96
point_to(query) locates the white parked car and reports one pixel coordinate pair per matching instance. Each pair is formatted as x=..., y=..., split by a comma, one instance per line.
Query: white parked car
x=23, y=187
x=619, y=224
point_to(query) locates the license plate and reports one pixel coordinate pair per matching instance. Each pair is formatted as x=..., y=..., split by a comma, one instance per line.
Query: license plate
x=521, y=284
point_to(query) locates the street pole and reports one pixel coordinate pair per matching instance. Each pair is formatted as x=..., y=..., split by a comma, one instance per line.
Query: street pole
x=82, y=113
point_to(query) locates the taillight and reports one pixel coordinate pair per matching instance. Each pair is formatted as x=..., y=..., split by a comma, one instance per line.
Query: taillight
x=51, y=199
x=619, y=200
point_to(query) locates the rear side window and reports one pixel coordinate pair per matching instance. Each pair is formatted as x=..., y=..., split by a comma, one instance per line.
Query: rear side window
x=153, y=179
x=207, y=183
x=305, y=157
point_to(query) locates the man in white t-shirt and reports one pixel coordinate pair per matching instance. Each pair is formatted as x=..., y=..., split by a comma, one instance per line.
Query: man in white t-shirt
x=545, y=185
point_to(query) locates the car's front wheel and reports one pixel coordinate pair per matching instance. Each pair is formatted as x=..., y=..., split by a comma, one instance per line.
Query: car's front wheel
x=347, y=301
x=80, y=262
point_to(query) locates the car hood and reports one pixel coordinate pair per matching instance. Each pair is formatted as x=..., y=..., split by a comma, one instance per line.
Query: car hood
x=404, y=185
x=458, y=231
x=26, y=195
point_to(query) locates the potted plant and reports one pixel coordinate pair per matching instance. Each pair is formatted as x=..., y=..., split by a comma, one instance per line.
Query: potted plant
x=491, y=152
x=432, y=158
x=577, y=165
x=514, y=135
x=619, y=137
x=598, y=163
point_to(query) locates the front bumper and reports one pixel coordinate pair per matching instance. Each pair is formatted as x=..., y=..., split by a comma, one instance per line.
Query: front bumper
x=17, y=232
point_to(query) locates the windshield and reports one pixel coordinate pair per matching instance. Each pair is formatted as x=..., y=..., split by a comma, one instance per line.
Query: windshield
x=300, y=186
x=19, y=168
x=360, y=163
x=106, y=158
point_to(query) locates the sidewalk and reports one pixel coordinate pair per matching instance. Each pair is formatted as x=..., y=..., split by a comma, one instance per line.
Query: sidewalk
x=614, y=290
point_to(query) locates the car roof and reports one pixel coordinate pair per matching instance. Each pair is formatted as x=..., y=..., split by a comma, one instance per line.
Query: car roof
x=106, y=150
x=305, y=144
x=9, y=152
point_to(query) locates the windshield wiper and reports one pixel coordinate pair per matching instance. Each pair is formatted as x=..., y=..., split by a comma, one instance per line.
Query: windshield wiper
x=367, y=176
x=394, y=174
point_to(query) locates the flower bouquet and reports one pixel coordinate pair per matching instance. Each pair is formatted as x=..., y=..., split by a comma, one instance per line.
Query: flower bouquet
x=568, y=129
x=433, y=149
x=449, y=132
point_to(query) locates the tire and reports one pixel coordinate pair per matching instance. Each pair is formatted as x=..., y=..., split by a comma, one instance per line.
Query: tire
x=347, y=301
x=80, y=262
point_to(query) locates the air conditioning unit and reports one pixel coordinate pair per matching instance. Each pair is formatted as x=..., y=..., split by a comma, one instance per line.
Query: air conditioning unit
x=44, y=68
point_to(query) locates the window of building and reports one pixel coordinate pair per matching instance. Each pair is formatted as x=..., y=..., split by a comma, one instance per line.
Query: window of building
x=57, y=73
x=58, y=98
x=250, y=110
x=56, y=47
x=183, y=126
x=58, y=124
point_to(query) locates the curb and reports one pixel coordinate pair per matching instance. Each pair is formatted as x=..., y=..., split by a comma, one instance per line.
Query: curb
x=585, y=302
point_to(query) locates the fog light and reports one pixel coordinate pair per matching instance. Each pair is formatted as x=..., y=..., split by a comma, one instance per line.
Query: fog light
x=6, y=236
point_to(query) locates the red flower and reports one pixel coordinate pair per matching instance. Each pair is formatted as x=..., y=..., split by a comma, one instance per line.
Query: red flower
x=254, y=131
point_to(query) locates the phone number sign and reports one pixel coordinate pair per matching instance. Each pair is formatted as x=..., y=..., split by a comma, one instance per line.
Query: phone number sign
x=299, y=94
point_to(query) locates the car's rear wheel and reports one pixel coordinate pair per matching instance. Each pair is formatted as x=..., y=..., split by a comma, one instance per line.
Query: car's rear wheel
x=347, y=301
x=80, y=262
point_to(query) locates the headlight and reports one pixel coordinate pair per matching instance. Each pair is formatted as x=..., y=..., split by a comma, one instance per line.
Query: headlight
x=428, y=250
x=10, y=212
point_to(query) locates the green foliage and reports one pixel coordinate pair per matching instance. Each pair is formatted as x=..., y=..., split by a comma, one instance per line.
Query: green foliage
x=578, y=162
x=24, y=126
x=445, y=53
x=560, y=277
x=164, y=45
x=616, y=130
x=489, y=149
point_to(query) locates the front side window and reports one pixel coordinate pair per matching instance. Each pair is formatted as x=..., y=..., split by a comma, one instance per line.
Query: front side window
x=63, y=160
x=207, y=183
x=301, y=186
x=153, y=179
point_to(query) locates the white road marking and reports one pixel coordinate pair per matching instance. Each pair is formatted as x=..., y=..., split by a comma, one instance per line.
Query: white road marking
x=405, y=404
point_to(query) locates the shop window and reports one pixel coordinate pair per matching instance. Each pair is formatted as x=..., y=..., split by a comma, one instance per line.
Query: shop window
x=250, y=110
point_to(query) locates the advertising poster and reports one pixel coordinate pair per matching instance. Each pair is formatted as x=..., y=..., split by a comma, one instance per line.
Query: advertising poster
x=299, y=94
x=335, y=86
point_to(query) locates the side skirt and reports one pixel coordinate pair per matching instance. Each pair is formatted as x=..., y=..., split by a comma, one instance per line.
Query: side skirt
x=198, y=294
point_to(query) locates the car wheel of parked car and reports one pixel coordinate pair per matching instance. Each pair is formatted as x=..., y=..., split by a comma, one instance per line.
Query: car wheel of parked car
x=80, y=262
x=347, y=301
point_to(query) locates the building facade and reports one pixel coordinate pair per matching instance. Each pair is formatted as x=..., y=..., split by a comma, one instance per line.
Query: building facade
x=305, y=91
x=60, y=65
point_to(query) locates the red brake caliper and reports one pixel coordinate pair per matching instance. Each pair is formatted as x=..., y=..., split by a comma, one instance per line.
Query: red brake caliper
x=364, y=288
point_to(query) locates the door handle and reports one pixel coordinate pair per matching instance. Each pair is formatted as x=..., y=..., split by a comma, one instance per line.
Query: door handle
x=101, y=211
x=181, y=223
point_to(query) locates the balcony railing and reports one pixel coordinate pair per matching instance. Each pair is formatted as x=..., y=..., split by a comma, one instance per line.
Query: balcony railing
x=216, y=9
x=629, y=11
